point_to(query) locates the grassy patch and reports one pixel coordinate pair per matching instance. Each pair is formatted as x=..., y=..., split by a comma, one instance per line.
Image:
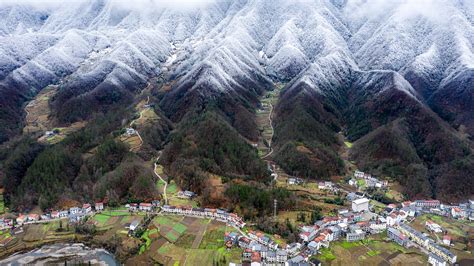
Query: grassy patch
x=180, y=228
x=185, y=241
x=213, y=239
x=349, y=245
x=101, y=219
x=165, y=249
x=372, y=253
x=172, y=236
x=162, y=220
x=2, y=204
x=326, y=254
x=172, y=188
x=182, y=202
x=159, y=170
x=348, y=144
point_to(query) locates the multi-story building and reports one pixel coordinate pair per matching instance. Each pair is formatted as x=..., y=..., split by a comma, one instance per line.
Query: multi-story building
x=427, y=203
x=397, y=236
x=360, y=205
x=356, y=235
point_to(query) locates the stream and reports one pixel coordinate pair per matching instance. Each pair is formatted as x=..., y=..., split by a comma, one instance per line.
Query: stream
x=62, y=254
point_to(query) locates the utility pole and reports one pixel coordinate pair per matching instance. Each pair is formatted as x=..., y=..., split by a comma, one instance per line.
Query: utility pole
x=275, y=209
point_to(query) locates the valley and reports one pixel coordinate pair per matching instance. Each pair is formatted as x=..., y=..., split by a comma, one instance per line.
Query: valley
x=265, y=131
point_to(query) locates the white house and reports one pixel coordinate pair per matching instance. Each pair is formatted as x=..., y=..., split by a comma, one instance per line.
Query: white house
x=434, y=227
x=99, y=206
x=145, y=206
x=435, y=260
x=447, y=240
x=134, y=225
x=360, y=205
x=74, y=210
x=33, y=217
x=458, y=212
x=352, y=182
x=21, y=219
x=86, y=208
x=392, y=219
x=358, y=174
x=130, y=131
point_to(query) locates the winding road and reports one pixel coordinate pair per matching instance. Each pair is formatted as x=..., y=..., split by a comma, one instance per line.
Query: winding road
x=165, y=197
x=133, y=122
x=273, y=132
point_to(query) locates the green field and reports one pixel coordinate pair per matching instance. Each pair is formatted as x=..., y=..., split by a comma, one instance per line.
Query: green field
x=147, y=244
x=349, y=245
x=326, y=254
x=172, y=188
x=162, y=220
x=180, y=228
x=117, y=213
x=101, y=219
x=172, y=236
x=213, y=239
x=2, y=204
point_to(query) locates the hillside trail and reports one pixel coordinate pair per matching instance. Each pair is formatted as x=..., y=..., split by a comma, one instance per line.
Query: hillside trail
x=265, y=117
x=269, y=141
x=136, y=130
x=165, y=197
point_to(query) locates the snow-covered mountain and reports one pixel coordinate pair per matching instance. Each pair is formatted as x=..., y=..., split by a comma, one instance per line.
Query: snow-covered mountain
x=395, y=76
x=231, y=46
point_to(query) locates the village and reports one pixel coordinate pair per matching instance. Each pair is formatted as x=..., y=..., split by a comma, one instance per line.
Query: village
x=358, y=221
x=352, y=225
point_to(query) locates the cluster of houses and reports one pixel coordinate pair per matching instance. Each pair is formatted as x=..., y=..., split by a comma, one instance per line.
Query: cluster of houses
x=370, y=181
x=460, y=211
x=405, y=235
x=349, y=225
x=143, y=206
x=217, y=214
x=186, y=194
x=294, y=181
x=355, y=225
x=328, y=185
x=74, y=214
x=258, y=248
x=438, y=254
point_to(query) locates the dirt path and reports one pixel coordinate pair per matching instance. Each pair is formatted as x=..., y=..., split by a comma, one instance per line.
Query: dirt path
x=138, y=133
x=165, y=197
x=200, y=235
x=270, y=119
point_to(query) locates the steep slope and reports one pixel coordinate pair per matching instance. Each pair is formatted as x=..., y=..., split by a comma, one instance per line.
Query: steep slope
x=388, y=74
x=406, y=140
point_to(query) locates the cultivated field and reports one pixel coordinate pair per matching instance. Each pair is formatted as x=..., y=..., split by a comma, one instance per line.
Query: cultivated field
x=177, y=240
x=373, y=251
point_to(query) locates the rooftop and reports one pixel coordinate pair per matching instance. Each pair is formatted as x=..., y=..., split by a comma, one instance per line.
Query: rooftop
x=360, y=201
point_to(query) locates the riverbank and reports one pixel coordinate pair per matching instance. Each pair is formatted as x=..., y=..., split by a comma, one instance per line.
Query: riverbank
x=34, y=236
x=75, y=253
